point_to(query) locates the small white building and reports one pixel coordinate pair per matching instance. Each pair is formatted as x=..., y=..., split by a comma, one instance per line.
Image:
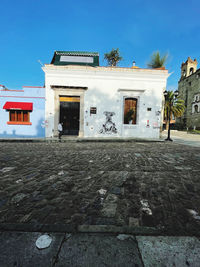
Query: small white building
x=95, y=101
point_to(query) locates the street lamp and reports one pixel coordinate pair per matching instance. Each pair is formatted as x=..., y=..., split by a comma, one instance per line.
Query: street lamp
x=169, y=107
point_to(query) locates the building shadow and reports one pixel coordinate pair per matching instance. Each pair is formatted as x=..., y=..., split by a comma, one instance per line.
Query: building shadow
x=40, y=132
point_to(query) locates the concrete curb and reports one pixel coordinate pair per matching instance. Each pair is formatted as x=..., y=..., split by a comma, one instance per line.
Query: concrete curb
x=118, y=229
x=111, y=229
x=119, y=140
x=22, y=140
x=136, y=230
x=81, y=140
x=28, y=227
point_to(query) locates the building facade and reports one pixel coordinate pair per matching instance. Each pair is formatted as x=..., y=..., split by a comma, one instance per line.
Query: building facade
x=94, y=101
x=22, y=112
x=189, y=91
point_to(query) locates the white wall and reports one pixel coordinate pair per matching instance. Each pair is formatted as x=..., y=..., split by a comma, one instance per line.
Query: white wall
x=107, y=88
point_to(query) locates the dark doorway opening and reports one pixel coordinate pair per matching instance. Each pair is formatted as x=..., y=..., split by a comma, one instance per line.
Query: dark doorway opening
x=70, y=114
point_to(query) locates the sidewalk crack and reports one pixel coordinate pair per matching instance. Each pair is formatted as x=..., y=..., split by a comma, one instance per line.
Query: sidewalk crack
x=58, y=252
x=139, y=253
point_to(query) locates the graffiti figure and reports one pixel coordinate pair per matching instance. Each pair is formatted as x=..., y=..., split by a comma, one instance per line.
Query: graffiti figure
x=44, y=124
x=109, y=126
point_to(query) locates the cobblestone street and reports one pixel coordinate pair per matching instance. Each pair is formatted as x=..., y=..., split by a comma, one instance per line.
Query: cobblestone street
x=96, y=183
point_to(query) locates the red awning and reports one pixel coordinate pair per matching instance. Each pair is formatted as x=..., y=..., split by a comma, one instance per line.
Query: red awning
x=18, y=106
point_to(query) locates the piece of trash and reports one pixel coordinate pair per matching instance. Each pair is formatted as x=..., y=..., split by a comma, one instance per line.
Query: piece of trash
x=194, y=214
x=137, y=155
x=145, y=206
x=44, y=241
x=90, y=160
x=123, y=237
x=18, y=181
x=102, y=191
x=88, y=178
x=7, y=169
x=61, y=173
x=52, y=177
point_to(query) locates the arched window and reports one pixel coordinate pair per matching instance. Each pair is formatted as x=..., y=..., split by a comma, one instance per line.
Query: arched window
x=183, y=73
x=196, y=109
x=130, y=110
x=191, y=70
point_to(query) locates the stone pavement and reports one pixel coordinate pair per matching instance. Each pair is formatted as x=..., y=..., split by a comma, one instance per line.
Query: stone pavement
x=138, y=188
x=88, y=250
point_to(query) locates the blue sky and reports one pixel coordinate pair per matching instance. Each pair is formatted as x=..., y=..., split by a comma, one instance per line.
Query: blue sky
x=32, y=30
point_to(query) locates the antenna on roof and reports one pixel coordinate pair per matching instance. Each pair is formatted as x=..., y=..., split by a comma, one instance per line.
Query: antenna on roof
x=2, y=87
x=40, y=63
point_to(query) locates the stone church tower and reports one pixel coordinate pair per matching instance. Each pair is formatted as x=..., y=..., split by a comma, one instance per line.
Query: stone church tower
x=188, y=67
x=189, y=91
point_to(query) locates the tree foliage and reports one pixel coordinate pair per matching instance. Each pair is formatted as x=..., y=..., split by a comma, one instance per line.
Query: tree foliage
x=173, y=104
x=157, y=61
x=113, y=57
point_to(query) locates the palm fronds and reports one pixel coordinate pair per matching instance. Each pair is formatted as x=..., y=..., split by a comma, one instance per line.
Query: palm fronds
x=113, y=57
x=157, y=61
x=173, y=105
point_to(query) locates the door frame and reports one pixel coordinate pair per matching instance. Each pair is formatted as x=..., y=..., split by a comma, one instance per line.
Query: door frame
x=61, y=91
x=70, y=100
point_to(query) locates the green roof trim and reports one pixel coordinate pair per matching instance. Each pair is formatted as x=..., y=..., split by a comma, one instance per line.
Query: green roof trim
x=76, y=53
x=57, y=60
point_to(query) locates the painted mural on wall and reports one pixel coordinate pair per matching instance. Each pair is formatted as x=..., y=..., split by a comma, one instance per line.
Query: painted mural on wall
x=109, y=126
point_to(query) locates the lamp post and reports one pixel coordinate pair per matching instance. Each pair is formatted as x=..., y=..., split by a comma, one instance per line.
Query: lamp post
x=169, y=108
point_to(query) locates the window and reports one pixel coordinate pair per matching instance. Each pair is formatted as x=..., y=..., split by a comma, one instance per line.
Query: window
x=191, y=71
x=19, y=112
x=130, y=110
x=196, y=108
x=183, y=73
x=19, y=117
x=93, y=110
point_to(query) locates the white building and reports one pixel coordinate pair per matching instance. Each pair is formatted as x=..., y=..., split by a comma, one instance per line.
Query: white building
x=94, y=101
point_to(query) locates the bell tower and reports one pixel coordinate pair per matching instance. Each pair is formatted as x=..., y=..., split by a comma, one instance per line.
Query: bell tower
x=188, y=68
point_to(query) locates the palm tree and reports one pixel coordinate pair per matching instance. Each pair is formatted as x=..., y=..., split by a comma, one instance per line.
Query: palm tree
x=113, y=57
x=173, y=107
x=157, y=61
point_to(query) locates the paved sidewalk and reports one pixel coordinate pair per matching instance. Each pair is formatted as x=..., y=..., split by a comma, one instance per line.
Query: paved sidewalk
x=89, y=250
x=136, y=188
x=183, y=138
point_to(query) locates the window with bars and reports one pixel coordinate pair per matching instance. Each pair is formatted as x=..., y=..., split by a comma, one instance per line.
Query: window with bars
x=130, y=110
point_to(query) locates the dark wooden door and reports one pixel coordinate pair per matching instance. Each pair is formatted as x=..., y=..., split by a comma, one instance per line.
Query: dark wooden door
x=69, y=116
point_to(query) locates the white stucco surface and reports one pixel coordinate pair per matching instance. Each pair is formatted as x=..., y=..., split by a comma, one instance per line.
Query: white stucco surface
x=106, y=89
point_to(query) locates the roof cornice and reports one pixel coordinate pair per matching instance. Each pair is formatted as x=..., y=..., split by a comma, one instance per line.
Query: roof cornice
x=101, y=68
